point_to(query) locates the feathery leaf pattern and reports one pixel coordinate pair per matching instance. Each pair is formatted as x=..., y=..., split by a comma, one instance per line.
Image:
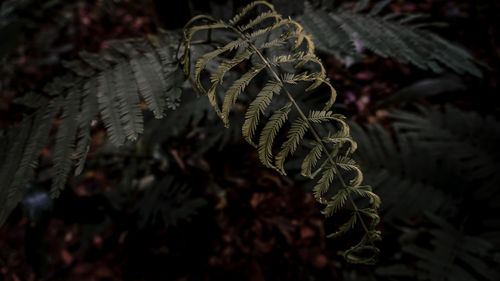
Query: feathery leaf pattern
x=341, y=178
x=106, y=84
x=344, y=33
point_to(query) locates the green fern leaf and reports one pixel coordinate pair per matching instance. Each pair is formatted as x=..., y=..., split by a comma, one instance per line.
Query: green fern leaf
x=269, y=133
x=311, y=159
x=109, y=84
x=296, y=133
x=337, y=202
x=257, y=108
x=130, y=111
x=450, y=255
x=203, y=60
x=65, y=139
x=282, y=48
x=108, y=106
x=324, y=183
x=225, y=66
x=18, y=138
x=150, y=85
x=87, y=114
x=237, y=88
x=386, y=37
x=25, y=142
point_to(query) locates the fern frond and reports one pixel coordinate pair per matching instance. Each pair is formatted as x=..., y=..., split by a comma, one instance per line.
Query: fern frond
x=450, y=255
x=148, y=74
x=108, y=105
x=65, y=139
x=203, y=60
x=257, y=108
x=107, y=83
x=269, y=133
x=236, y=19
x=311, y=159
x=458, y=137
x=280, y=24
x=436, y=156
x=296, y=133
x=336, y=203
x=25, y=141
x=344, y=33
x=142, y=66
x=340, y=138
x=323, y=184
x=150, y=85
x=237, y=88
x=455, y=133
x=88, y=112
x=318, y=116
x=259, y=19
x=135, y=66
x=282, y=48
x=225, y=66
x=129, y=103
x=17, y=138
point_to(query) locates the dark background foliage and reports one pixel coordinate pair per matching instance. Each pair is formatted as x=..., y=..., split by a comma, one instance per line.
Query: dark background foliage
x=190, y=201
